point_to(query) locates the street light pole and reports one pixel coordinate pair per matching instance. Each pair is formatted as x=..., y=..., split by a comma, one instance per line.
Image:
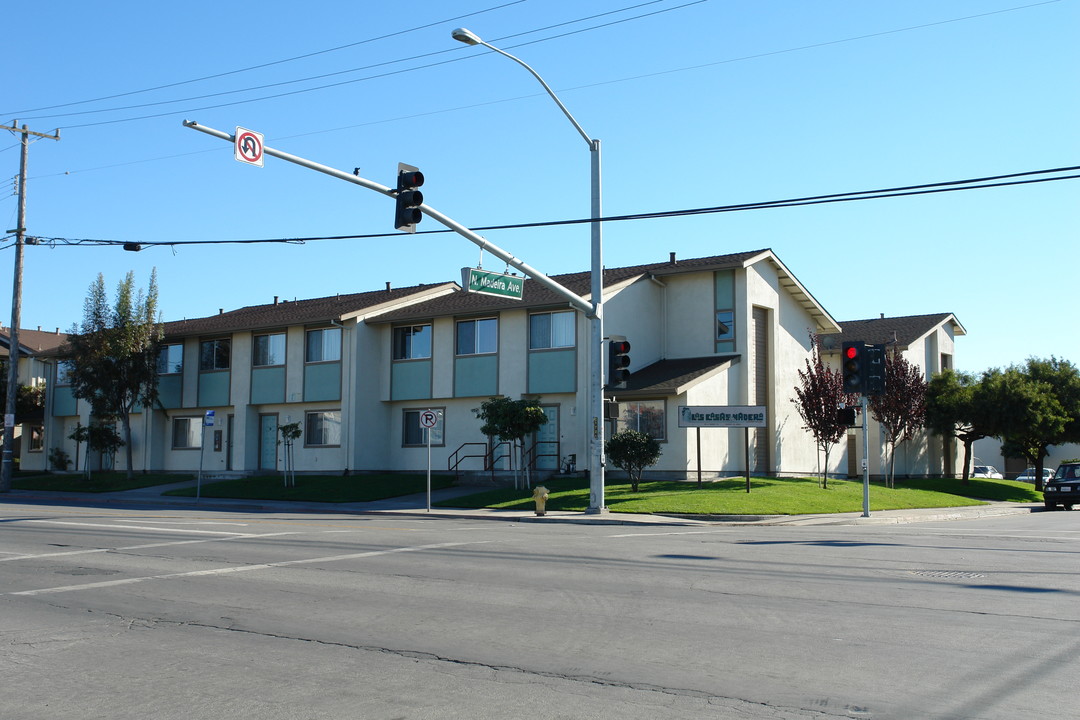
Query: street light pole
x=596, y=316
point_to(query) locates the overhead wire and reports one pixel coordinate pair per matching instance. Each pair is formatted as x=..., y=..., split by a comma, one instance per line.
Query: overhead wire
x=980, y=183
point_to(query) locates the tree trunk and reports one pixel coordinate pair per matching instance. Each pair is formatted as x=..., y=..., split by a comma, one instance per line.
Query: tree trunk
x=125, y=420
x=967, y=462
x=825, y=470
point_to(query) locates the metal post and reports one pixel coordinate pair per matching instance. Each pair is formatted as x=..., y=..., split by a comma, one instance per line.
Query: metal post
x=864, y=404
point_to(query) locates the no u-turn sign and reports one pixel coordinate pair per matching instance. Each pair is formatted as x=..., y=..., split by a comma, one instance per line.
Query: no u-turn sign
x=248, y=147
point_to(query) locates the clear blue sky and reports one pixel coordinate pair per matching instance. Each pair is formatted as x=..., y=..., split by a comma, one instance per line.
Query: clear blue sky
x=697, y=105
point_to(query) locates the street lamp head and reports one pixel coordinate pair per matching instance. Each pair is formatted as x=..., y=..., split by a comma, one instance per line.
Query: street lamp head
x=466, y=36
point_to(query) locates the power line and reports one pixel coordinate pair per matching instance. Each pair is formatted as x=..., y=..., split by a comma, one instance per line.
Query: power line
x=981, y=183
x=334, y=74
x=262, y=65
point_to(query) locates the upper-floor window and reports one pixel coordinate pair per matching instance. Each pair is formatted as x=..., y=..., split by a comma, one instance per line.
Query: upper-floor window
x=64, y=369
x=170, y=360
x=477, y=337
x=323, y=345
x=214, y=354
x=268, y=350
x=551, y=330
x=725, y=325
x=412, y=342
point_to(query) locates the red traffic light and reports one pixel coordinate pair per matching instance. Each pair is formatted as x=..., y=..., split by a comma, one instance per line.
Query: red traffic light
x=413, y=179
x=620, y=347
x=851, y=352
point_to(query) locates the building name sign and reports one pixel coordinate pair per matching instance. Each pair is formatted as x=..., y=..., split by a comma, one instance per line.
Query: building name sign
x=729, y=416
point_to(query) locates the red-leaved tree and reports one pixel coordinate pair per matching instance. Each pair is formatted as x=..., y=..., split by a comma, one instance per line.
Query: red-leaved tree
x=901, y=409
x=818, y=397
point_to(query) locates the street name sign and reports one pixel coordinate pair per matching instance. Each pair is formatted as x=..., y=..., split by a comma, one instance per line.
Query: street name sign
x=492, y=283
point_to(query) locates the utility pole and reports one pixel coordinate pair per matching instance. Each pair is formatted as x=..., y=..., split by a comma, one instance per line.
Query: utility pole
x=7, y=468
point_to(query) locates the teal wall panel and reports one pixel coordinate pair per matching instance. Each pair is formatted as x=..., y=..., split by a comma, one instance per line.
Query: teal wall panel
x=411, y=380
x=170, y=391
x=64, y=402
x=322, y=381
x=552, y=371
x=476, y=376
x=214, y=389
x=267, y=385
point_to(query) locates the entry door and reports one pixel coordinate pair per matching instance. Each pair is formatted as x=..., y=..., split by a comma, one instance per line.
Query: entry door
x=547, y=440
x=268, y=442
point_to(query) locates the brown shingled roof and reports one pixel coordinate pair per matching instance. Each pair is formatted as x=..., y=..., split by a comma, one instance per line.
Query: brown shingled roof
x=295, y=312
x=671, y=377
x=903, y=330
x=536, y=295
x=34, y=341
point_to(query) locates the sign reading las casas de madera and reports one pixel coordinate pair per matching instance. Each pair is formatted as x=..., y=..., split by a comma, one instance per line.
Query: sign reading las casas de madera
x=730, y=416
x=492, y=283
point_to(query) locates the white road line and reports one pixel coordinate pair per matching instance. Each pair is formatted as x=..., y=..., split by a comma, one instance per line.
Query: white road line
x=243, y=568
x=91, y=551
x=673, y=532
x=136, y=527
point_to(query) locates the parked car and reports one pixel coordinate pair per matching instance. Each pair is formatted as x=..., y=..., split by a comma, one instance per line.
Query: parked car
x=986, y=471
x=1029, y=475
x=1064, y=488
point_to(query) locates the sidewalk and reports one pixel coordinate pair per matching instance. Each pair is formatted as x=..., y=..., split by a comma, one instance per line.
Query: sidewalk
x=416, y=506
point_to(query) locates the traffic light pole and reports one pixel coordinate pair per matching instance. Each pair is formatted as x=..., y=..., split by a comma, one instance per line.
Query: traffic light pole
x=865, y=405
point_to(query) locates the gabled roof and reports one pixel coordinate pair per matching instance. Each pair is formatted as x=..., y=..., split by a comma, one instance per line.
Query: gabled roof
x=535, y=295
x=903, y=331
x=299, y=312
x=671, y=377
x=32, y=341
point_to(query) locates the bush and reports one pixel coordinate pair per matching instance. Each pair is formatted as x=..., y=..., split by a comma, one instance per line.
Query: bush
x=59, y=459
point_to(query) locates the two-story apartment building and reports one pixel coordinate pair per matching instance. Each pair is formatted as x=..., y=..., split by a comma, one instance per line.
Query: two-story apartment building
x=357, y=372
x=32, y=370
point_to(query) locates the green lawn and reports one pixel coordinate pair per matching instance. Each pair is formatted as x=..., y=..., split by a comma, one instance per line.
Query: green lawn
x=101, y=481
x=767, y=496
x=320, y=488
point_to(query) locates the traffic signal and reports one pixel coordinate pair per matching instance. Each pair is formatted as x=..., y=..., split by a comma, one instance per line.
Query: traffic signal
x=618, y=361
x=875, y=370
x=409, y=199
x=853, y=363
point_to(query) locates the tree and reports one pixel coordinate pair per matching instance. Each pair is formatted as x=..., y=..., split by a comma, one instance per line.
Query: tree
x=29, y=401
x=818, y=399
x=100, y=437
x=901, y=409
x=114, y=353
x=959, y=406
x=632, y=451
x=511, y=421
x=1038, y=405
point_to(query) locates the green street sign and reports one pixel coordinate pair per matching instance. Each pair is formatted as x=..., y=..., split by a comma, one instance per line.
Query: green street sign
x=492, y=283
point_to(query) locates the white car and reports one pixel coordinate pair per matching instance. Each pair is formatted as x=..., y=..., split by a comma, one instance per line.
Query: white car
x=986, y=471
x=1029, y=475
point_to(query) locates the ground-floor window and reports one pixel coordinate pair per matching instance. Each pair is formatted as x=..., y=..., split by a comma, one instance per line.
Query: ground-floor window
x=187, y=433
x=37, y=438
x=414, y=433
x=322, y=428
x=645, y=416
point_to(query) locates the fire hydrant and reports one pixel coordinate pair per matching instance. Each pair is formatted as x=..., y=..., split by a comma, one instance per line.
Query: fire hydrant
x=540, y=496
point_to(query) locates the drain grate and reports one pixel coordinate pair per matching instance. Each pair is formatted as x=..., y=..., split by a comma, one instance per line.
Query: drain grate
x=947, y=574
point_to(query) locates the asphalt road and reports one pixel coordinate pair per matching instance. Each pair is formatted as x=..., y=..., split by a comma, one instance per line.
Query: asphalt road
x=118, y=613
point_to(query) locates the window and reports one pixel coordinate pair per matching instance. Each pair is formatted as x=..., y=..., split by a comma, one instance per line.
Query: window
x=323, y=345
x=64, y=369
x=214, y=355
x=187, y=433
x=37, y=438
x=551, y=330
x=645, y=416
x=268, y=350
x=412, y=342
x=323, y=429
x=170, y=360
x=478, y=337
x=414, y=434
x=725, y=325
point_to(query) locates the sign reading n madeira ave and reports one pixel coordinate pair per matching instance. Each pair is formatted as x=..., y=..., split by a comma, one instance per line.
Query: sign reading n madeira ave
x=729, y=416
x=492, y=283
